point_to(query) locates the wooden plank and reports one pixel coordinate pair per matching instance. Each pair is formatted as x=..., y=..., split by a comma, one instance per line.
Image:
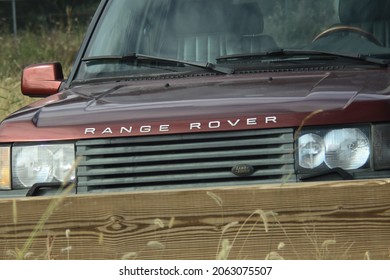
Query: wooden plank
x=336, y=220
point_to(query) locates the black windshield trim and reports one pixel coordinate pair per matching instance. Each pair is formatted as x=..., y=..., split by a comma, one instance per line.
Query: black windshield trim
x=280, y=55
x=135, y=57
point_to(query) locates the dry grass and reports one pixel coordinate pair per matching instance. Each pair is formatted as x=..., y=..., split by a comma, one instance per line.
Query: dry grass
x=28, y=48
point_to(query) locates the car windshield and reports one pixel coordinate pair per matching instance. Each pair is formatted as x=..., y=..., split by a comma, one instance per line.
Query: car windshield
x=204, y=31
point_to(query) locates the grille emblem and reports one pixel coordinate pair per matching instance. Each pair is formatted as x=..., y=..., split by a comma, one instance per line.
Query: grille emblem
x=243, y=170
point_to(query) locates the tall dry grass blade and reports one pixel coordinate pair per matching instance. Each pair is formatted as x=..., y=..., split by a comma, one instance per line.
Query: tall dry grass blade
x=14, y=212
x=158, y=222
x=304, y=121
x=171, y=222
x=275, y=256
x=344, y=256
x=155, y=245
x=264, y=217
x=130, y=255
x=101, y=238
x=281, y=245
x=226, y=227
x=328, y=242
x=216, y=198
x=69, y=248
x=225, y=250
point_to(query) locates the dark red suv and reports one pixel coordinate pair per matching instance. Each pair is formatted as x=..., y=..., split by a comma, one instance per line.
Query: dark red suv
x=197, y=93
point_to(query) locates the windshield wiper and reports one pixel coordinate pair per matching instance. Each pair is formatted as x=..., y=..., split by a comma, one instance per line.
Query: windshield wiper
x=281, y=55
x=142, y=58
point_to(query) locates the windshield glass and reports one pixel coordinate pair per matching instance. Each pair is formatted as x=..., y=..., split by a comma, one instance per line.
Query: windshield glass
x=204, y=30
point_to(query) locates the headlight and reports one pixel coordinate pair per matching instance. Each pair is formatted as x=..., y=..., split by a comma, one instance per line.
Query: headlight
x=33, y=164
x=311, y=150
x=346, y=148
x=381, y=139
x=5, y=171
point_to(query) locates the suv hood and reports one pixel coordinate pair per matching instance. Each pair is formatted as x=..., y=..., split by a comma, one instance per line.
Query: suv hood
x=212, y=96
x=289, y=97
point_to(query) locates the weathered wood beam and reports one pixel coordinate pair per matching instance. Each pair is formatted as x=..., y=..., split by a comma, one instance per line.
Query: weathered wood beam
x=338, y=220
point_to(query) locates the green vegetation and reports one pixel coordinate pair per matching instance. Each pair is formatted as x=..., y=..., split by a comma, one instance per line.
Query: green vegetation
x=59, y=43
x=30, y=48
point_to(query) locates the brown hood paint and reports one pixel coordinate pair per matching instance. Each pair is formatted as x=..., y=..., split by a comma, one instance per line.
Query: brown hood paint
x=199, y=104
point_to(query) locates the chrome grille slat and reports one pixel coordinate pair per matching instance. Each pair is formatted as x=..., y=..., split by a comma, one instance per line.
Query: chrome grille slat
x=179, y=177
x=186, y=160
x=96, y=171
x=183, y=147
x=179, y=156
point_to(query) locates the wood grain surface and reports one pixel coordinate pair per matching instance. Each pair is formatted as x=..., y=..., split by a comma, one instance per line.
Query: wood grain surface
x=338, y=220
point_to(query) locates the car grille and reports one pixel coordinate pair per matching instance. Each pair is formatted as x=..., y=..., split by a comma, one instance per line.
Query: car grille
x=186, y=160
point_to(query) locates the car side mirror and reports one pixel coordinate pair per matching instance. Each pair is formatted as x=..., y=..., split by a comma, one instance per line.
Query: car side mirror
x=42, y=80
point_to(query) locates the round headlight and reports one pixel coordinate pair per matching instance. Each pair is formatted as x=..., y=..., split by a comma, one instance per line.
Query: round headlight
x=347, y=148
x=311, y=151
x=33, y=165
x=64, y=159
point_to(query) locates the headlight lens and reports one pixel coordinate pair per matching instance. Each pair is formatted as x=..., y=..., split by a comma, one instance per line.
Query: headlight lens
x=311, y=151
x=33, y=164
x=381, y=146
x=346, y=148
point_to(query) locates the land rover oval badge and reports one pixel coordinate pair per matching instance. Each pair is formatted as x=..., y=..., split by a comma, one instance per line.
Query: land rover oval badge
x=243, y=170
